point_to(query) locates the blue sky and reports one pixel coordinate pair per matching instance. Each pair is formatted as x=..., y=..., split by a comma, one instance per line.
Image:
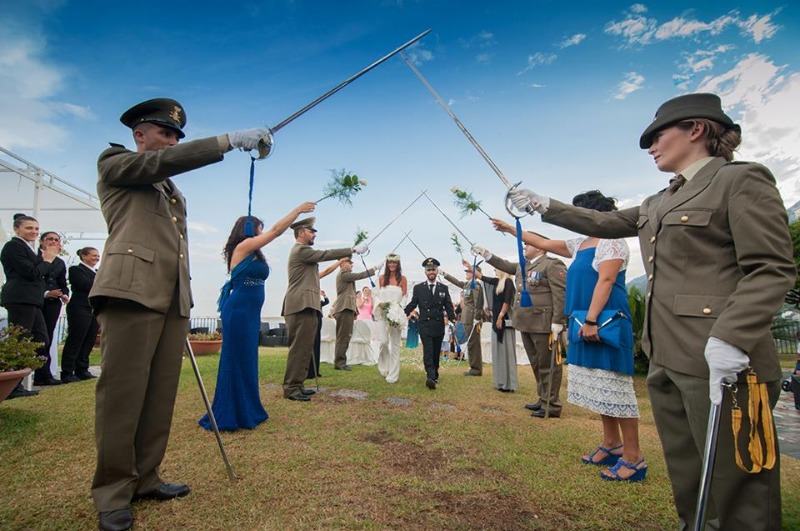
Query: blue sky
x=556, y=92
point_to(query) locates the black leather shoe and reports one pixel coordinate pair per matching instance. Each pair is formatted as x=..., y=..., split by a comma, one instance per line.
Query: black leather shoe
x=539, y=414
x=165, y=491
x=345, y=368
x=21, y=392
x=430, y=384
x=118, y=520
x=47, y=381
x=299, y=397
x=85, y=376
x=470, y=373
x=533, y=407
x=309, y=392
x=70, y=378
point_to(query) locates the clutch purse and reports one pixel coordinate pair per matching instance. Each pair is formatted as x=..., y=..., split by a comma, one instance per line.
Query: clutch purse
x=609, y=326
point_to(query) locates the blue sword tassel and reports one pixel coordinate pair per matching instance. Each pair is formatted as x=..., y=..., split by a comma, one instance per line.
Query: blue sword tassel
x=524, y=297
x=474, y=267
x=249, y=229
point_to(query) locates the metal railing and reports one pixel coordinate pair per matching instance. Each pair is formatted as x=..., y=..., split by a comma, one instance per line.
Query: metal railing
x=211, y=323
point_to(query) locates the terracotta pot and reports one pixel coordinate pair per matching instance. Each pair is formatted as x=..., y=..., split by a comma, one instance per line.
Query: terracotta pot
x=201, y=348
x=9, y=380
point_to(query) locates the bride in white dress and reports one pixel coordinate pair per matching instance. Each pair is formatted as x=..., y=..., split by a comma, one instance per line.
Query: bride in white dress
x=389, y=302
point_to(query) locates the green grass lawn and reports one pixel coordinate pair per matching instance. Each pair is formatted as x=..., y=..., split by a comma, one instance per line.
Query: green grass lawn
x=462, y=457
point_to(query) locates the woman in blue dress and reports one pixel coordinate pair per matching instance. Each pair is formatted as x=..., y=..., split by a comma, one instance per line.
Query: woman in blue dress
x=237, y=402
x=600, y=374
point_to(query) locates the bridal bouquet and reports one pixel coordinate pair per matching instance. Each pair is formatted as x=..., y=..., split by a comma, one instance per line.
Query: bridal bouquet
x=393, y=313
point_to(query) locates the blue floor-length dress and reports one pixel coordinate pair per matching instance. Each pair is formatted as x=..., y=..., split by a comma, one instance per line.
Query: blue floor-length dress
x=237, y=402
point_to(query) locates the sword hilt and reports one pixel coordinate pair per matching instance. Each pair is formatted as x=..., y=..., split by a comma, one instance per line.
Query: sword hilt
x=511, y=209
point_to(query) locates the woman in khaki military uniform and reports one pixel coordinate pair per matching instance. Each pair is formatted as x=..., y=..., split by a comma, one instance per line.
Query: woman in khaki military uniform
x=718, y=258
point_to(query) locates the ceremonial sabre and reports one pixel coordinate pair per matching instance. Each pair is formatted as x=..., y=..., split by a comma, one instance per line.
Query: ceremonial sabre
x=401, y=241
x=415, y=245
x=466, y=132
x=395, y=218
x=709, y=456
x=450, y=220
x=265, y=144
x=211, y=417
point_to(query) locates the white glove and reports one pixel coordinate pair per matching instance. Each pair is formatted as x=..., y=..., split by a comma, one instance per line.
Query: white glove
x=477, y=250
x=556, y=328
x=248, y=139
x=724, y=361
x=377, y=267
x=524, y=198
x=361, y=248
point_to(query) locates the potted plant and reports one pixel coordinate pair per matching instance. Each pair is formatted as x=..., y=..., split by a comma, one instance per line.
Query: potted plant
x=17, y=357
x=205, y=343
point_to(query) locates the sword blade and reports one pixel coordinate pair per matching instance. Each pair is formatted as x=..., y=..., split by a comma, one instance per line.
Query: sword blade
x=415, y=245
x=395, y=218
x=344, y=83
x=460, y=125
x=450, y=220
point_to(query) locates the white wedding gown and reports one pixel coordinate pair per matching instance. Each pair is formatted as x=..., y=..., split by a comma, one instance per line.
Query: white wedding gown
x=390, y=336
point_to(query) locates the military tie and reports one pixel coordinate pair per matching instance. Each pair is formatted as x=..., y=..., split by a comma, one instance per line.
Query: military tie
x=431, y=286
x=674, y=184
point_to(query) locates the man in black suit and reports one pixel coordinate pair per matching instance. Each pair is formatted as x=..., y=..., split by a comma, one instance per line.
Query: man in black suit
x=429, y=302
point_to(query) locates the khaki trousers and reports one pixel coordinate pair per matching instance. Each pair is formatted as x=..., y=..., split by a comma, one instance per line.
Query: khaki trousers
x=302, y=330
x=737, y=500
x=474, y=353
x=141, y=354
x=344, y=333
x=539, y=355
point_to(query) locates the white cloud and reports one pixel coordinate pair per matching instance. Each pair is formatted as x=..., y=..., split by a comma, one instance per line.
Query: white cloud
x=572, y=41
x=536, y=85
x=696, y=62
x=765, y=100
x=638, y=8
x=418, y=55
x=638, y=29
x=484, y=57
x=633, y=81
x=203, y=228
x=537, y=59
x=27, y=84
x=759, y=28
x=483, y=39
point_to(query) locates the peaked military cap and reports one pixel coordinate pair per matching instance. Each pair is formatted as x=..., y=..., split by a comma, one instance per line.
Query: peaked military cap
x=306, y=223
x=160, y=111
x=430, y=263
x=686, y=107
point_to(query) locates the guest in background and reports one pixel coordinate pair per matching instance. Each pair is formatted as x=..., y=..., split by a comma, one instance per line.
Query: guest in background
x=21, y=296
x=82, y=326
x=237, y=401
x=313, y=367
x=56, y=294
x=412, y=334
x=365, y=304
x=504, y=338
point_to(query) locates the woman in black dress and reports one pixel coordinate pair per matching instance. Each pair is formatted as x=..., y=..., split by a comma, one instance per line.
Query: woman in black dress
x=56, y=292
x=82, y=326
x=21, y=296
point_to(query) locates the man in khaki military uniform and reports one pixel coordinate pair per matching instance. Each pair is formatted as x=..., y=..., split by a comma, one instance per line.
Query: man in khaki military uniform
x=546, y=283
x=471, y=318
x=718, y=258
x=142, y=299
x=301, y=304
x=344, y=309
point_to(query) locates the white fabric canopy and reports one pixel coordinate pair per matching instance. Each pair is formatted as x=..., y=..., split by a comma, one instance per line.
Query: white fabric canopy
x=58, y=204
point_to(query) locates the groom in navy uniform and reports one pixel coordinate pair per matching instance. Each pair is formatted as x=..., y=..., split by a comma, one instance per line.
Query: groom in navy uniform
x=429, y=302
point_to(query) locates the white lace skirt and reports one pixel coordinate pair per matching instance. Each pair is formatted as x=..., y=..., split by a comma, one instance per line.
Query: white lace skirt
x=606, y=392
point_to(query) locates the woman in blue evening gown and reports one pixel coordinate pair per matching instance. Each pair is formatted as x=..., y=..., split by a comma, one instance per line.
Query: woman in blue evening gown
x=237, y=402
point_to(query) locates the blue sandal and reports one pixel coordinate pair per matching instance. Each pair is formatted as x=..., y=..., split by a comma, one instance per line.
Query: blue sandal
x=609, y=460
x=640, y=471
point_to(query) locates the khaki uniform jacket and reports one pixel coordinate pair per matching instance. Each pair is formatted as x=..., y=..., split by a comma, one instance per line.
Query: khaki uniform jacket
x=147, y=253
x=718, y=258
x=547, y=293
x=472, y=303
x=303, y=267
x=346, y=290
